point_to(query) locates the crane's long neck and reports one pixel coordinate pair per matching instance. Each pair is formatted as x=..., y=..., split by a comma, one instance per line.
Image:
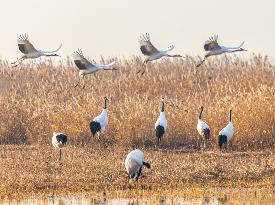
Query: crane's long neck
x=230, y=116
x=201, y=113
x=105, y=103
x=51, y=55
x=162, y=107
x=173, y=56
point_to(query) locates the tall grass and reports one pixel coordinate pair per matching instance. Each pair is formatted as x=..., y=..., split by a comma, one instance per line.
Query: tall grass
x=38, y=99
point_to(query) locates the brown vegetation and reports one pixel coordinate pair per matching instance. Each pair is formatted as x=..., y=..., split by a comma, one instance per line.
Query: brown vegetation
x=37, y=100
x=35, y=169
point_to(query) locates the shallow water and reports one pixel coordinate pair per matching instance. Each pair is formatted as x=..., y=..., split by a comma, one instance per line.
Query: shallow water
x=225, y=197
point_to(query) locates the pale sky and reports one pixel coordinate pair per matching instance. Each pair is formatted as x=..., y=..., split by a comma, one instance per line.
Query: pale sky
x=111, y=28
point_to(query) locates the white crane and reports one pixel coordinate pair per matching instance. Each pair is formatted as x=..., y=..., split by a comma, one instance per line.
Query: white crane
x=203, y=128
x=134, y=163
x=59, y=140
x=87, y=67
x=161, y=123
x=226, y=133
x=30, y=51
x=151, y=52
x=99, y=123
x=213, y=48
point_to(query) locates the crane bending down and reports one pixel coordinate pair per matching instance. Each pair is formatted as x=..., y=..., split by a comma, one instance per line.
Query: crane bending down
x=30, y=51
x=134, y=163
x=87, y=67
x=151, y=52
x=213, y=48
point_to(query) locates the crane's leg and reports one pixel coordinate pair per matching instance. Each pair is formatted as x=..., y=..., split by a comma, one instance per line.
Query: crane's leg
x=143, y=72
x=98, y=136
x=59, y=155
x=236, y=50
x=81, y=78
x=128, y=175
x=225, y=147
x=204, y=144
x=83, y=81
x=18, y=62
x=201, y=62
x=138, y=174
x=143, y=68
x=21, y=61
x=78, y=82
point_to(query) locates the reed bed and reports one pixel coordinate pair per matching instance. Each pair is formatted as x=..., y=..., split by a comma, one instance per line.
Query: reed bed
x=38, y=99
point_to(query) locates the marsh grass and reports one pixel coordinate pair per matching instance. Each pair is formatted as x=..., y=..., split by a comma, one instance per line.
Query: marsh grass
x=37, y=100
x=27, y=169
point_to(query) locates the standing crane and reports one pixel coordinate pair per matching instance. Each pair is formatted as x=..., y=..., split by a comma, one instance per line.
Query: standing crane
x=99, y=123
x=203, y=129
x=161, y=123
x=59, y=140
x=226, y=133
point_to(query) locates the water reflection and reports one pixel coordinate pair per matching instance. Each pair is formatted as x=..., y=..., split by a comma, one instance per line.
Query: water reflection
x=225, y=197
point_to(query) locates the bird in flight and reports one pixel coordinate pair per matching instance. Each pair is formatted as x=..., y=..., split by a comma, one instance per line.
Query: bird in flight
x=87, y=67
x=29, y=51
x=212, y=48
x=150, y=51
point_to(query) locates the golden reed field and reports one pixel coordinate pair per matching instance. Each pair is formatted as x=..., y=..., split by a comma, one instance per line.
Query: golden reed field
x=37, y=100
